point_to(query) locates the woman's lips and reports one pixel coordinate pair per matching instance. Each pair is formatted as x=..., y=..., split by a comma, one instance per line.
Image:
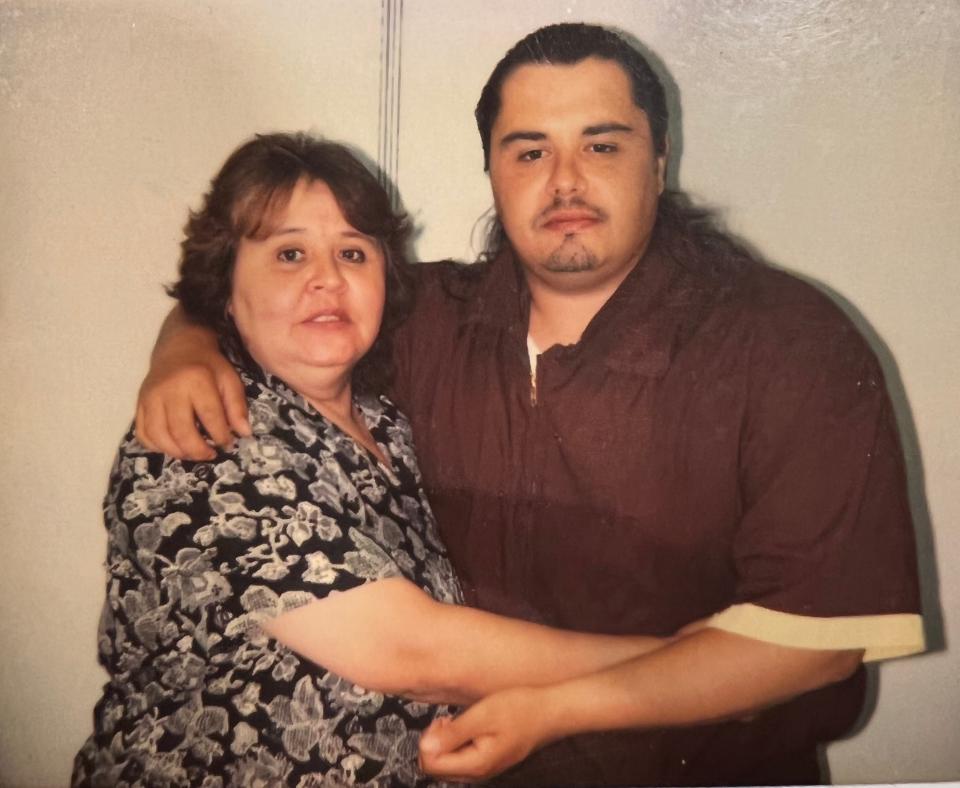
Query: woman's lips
x=331, y=318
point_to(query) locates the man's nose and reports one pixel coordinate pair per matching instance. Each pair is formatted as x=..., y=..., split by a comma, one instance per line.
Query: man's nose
x=566, y=177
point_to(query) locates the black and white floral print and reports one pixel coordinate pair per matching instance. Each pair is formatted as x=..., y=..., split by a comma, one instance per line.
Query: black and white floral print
x=200, y=552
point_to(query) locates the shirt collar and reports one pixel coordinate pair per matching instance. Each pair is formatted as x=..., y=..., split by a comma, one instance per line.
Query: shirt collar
x=252, y=374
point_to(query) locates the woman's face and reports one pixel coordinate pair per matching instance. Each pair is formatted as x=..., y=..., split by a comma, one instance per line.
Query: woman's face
x=308, y=299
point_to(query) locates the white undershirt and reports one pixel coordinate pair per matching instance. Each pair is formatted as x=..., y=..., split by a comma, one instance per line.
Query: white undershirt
x=534, y=353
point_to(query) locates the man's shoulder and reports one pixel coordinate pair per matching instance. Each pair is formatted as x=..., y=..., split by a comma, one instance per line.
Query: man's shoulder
x=720, y=274
x=786, y=319
x=448, y=279
x=444, y=294
x=771, y=297
x=742, y=304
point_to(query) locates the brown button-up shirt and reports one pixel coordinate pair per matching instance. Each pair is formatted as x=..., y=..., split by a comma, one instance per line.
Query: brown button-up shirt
x=720, y=436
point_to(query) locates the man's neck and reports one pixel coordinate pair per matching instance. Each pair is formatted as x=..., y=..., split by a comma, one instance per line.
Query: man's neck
x=559, y=317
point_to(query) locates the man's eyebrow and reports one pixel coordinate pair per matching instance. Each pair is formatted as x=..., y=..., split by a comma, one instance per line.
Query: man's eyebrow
x=513, y=136
x=605, y=128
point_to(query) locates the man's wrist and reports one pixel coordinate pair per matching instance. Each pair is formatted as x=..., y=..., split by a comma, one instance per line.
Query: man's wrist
x=588, y=703
x=558, y=710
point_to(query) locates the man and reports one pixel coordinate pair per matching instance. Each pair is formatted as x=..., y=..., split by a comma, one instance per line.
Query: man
x=628, y=425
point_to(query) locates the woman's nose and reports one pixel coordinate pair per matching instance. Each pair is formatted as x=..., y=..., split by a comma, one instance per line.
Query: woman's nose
x=326, y=275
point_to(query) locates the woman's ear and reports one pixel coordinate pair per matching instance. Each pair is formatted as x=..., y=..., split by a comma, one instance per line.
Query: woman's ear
x=662, y=165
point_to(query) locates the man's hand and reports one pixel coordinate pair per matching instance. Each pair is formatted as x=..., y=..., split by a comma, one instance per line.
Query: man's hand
x=189, y=381
x=491, y=736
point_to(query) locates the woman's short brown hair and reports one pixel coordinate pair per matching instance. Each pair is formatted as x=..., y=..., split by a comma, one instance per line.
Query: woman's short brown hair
x=255, y=183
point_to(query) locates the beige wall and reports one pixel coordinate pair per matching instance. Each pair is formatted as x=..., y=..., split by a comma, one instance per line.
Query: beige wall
x=827, y=133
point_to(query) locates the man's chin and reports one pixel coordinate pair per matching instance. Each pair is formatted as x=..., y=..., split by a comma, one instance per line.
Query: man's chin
x=569, y=278
x=571, y=267
x=576, y=262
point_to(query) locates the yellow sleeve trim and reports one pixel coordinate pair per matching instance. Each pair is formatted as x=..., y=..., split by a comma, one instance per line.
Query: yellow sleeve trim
x=881, y=637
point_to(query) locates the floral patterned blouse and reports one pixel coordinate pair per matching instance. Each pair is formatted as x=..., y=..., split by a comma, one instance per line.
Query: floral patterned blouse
x=200, y=552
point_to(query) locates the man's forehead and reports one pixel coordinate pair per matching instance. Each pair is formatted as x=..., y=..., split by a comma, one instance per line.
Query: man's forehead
x=594, y=94
x=560, y=71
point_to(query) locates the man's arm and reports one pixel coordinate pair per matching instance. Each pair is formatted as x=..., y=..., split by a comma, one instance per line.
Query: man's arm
x=707, y=676
x=391, y=636
x=189, y=380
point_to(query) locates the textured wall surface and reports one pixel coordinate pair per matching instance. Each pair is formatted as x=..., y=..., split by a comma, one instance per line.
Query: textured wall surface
x=825, y=132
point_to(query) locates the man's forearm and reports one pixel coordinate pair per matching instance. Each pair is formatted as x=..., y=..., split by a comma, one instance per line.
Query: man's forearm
x=709, y=675
x=177, y=326
x=700, y=677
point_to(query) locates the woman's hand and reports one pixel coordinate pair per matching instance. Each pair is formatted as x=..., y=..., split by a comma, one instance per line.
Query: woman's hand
x=494, y=734
x=189, y=381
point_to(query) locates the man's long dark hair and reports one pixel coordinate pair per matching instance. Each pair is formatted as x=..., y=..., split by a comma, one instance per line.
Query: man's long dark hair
x=691, y=233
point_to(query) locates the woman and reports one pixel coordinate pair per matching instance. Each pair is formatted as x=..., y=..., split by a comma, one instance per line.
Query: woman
x=311, y=538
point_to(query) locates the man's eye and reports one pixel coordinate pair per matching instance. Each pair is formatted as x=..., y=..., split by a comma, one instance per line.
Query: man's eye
x=290, y=255
x=531, y=155
x=603, y=147
x=353, y=255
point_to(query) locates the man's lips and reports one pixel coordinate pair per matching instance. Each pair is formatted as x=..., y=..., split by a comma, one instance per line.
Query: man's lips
x=570, y=221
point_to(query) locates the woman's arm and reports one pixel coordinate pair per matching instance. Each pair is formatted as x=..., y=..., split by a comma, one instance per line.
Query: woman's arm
x=189, y=380
x=392, y=637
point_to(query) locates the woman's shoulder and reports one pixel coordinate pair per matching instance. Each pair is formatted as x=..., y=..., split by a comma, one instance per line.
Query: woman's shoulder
x=381, y=412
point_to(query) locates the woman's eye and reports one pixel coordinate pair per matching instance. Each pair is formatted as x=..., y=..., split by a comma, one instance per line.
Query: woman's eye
x=353, y=255
x=290, y=255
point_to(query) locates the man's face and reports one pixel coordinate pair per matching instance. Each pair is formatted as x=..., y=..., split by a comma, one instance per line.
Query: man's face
x=574, y=175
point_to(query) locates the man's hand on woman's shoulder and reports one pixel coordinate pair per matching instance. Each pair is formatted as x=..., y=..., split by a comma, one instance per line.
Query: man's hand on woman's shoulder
x=190, y=385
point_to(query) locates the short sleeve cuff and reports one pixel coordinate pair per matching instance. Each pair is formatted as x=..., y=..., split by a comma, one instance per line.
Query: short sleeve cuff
x=881, y=637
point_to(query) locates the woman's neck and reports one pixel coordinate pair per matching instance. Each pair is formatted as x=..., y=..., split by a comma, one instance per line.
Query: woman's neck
x=336, y=405
x=329, y=391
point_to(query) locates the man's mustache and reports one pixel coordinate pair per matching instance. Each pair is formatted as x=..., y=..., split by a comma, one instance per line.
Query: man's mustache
x=570, y=204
